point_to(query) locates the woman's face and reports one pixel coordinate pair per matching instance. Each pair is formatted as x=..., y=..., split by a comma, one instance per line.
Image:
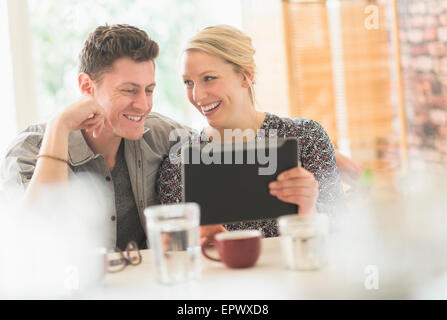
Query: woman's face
x=215, y=88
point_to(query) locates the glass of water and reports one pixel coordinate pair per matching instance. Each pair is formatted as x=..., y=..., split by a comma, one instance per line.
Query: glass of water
x=173, y=232
x=304, y=240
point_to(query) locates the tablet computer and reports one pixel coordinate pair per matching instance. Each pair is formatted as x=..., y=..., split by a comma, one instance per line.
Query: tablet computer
x=230, y=181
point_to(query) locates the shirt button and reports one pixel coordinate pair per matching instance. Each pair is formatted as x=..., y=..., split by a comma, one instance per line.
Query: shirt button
x=113, y=218
x=108, y=178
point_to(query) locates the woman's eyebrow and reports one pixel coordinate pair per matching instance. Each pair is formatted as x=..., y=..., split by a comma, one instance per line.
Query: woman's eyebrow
x=204, y=72
x=201, y=74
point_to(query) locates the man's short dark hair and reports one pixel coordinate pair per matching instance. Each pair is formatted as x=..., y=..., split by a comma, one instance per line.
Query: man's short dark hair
x=107, y=43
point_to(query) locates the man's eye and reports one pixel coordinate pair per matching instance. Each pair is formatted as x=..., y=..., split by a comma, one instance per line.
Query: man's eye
x=130, y=91
x=149, y=91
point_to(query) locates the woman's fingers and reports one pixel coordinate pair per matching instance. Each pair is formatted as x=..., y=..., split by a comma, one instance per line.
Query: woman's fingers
x=211, y=230
x=297, y=186
x=295, y=182
x=305, y=191
x=305, y=204
x=296, y=172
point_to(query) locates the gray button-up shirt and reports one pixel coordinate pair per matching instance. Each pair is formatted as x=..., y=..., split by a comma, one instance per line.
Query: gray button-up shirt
x=143, y=158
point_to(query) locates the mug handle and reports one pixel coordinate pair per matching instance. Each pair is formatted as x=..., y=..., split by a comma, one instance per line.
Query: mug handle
x=208, y=241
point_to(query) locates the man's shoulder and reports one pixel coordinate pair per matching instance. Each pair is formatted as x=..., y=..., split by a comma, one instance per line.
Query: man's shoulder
x=31, y=136
x=158, y=121
x=19, y=159
x=162, y=126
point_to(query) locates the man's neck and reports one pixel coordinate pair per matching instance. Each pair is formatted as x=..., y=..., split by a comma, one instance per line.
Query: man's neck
x=107, y=144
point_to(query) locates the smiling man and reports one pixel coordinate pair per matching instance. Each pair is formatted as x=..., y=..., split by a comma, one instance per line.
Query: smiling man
x=108, y=132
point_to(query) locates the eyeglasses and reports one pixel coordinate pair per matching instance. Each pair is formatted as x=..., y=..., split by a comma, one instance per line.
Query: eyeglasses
x=131, y=256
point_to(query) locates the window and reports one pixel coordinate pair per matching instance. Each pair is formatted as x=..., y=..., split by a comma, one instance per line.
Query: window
x=8, y=125
x=59, y=29
x=342, y=74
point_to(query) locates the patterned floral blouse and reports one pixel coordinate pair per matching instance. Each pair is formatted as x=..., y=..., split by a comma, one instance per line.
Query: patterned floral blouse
x=316, y=154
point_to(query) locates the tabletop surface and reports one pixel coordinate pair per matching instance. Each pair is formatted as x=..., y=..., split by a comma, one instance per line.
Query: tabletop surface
x=347, y=276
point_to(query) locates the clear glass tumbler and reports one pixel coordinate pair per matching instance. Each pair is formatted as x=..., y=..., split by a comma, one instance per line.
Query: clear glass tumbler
x=173, y=232
x=304, y=240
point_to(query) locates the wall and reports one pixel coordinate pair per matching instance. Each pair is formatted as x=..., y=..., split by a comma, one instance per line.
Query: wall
x=423, y=38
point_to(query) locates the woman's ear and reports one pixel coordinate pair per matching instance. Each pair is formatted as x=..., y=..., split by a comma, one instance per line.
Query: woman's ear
x=86, y=85
x=248, y=79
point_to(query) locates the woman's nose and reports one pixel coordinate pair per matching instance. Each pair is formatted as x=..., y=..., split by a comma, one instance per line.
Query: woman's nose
x=198, y=93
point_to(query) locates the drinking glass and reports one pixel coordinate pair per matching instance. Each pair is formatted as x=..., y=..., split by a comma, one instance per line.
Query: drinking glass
x=304, y=240
x=173, y=232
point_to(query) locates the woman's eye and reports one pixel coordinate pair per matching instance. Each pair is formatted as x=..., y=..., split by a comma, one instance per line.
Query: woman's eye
x=187, y=83
x=208, y=78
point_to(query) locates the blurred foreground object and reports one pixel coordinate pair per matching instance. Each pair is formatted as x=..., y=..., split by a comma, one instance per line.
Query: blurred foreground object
x=53, y=248
x=396, y=237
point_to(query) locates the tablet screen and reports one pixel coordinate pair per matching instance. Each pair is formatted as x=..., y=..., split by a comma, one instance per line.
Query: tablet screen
x=230, y=181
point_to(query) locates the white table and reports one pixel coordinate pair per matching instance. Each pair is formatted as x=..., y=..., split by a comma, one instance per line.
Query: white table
x=343, y=278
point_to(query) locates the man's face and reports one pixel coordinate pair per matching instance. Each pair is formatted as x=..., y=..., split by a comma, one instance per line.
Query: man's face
x=125, y=93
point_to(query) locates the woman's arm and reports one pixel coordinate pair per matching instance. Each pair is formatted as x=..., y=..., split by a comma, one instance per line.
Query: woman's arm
x=169, y=182
x=318, y=157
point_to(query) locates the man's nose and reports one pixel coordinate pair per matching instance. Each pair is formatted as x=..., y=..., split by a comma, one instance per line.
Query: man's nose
x=143, y=101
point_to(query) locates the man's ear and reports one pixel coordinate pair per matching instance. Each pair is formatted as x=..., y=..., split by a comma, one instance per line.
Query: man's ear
x=86, y=85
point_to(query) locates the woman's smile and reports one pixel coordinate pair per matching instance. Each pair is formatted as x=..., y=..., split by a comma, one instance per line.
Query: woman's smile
x=210, y=108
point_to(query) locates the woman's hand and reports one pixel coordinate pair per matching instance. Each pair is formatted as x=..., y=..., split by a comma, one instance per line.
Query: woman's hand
x=298, y=186
x=208, y=232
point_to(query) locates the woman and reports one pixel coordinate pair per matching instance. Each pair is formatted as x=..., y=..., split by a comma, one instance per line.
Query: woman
x=219, y=73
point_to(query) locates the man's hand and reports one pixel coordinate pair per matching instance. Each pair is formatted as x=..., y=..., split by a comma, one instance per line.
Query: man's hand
x=85, y=114
x=298, y=186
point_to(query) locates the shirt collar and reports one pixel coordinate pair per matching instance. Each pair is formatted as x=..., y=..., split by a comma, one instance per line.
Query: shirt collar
x=78, y=150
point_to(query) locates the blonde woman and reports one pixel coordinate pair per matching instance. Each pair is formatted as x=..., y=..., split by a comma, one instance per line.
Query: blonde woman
x=219, y=75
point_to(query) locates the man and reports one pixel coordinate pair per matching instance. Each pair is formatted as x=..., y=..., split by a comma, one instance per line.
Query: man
x=108, y=132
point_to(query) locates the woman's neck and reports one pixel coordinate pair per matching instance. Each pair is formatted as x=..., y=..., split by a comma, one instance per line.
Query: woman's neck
x=245, y=128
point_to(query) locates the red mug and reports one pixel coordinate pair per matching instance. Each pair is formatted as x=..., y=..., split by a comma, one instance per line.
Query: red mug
x=237, y=249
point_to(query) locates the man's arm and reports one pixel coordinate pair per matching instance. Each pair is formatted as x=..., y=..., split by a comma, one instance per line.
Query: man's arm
x=54, y=144
x=84, y=114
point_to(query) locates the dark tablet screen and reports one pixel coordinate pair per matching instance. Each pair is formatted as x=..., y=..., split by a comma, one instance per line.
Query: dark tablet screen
x=230, y=182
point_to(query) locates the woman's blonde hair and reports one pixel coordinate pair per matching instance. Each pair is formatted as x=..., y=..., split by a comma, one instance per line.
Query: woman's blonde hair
x=232, y=46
